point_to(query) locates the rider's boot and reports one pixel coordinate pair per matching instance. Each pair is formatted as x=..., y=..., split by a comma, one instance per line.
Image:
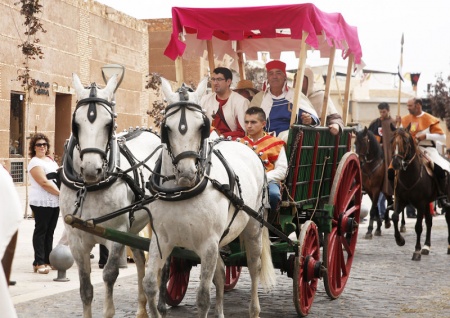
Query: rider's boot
x=442, y=186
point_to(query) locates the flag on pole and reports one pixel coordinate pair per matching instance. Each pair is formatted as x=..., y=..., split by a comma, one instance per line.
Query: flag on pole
x=415, y=78
x=400, y=65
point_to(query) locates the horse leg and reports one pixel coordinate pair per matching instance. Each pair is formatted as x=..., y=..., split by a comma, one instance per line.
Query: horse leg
x=418, y=228
x=139, y=260
x=395, y=216
x=429, y=224
x=379, y=223
x=403, y=224
x=83, y=260
x=219, y=282
x=208, y=257
x=447, y=219
x=259, y=262
x=151, y=281
x=162, y=308
x=110, y=274
x=387, y=220
x=373, y=210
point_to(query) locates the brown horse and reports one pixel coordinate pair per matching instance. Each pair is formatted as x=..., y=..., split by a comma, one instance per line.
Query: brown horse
x=371, y=160
x=413, y=185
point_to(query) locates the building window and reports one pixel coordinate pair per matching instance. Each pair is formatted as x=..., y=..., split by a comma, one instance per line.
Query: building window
x=16, y=124
x=17, y=171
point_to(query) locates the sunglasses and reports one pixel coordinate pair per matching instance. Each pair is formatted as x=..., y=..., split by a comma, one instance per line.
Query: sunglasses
x=44, y=144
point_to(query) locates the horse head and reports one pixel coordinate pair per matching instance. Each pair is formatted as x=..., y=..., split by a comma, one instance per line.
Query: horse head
x=362, y=145
x=185, y=130
x=403, y=147
x=93, y=124
x=184, y=93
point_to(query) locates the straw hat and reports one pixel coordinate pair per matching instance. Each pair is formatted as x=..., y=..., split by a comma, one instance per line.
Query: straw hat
x=246, y=84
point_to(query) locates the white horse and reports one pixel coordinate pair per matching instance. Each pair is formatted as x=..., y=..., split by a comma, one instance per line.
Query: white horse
x=89, y=174
x=204, y=220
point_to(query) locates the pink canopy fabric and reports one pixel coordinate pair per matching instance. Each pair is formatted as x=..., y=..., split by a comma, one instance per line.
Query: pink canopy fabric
x=273, y=24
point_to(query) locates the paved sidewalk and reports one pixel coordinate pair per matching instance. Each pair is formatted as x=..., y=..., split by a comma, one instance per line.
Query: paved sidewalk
x=379, y=267
x=30, y=285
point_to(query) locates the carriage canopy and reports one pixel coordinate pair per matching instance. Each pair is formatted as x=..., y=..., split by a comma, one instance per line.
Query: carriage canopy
x=272, y=29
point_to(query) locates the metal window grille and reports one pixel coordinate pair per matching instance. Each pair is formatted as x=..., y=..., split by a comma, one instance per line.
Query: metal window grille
x=17, y=171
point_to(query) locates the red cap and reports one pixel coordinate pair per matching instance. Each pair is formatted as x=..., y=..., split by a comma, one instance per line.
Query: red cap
x=275, y=64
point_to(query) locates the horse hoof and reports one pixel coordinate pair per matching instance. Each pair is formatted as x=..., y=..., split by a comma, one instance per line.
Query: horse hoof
x=402, y=229
x=387, y=225
x=377, y=232
x=425, y=250
x=400, y=241
x=368, y=236
x=416, y=256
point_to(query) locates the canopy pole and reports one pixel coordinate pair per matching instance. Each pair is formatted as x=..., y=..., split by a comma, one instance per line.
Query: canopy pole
x=210, y=50
x=323, y=117
x=351, y=59
x=300, y=75
x=179, y=71
x=240, y=61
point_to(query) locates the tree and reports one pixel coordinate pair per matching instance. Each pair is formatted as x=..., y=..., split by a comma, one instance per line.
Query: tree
x=30, y=9
x=29, y=46
x=440, y=99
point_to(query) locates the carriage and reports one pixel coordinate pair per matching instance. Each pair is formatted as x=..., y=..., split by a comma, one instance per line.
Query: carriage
x=314, y=235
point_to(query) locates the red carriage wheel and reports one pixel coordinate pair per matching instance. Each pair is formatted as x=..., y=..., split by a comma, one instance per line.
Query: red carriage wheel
x=307, y=268
x=232, y=274
x=179, y=272
x=339, y=245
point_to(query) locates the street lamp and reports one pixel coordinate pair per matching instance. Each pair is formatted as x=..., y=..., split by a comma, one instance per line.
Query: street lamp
x=111, y=69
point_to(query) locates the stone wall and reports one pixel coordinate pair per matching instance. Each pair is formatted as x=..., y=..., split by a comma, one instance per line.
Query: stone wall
x=81, y=37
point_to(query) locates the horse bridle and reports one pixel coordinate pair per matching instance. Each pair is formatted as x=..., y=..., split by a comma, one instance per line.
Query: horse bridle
x=405, y=162
x=92, y=101
x=183, y=128
x=364, y=155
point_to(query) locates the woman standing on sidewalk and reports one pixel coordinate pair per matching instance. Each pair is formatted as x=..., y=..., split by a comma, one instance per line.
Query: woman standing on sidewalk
x=44, y=200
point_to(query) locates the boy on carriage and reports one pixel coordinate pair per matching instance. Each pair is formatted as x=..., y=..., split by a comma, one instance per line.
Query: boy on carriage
x=270, y=149
x=426, y=130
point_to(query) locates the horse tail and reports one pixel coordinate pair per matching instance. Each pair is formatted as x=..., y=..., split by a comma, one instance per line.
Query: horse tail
x=268, y=277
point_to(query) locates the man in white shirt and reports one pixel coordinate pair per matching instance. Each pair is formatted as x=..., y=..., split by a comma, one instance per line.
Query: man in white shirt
x=225, y=108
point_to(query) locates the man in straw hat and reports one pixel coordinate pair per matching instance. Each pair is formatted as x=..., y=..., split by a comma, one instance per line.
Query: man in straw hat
x=276, y=100
x=246, y=89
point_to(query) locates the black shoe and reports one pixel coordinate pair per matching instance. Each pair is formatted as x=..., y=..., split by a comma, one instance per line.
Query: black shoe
x=12, y=282
x=443, y=203
x=411, y=216
x=101, y=266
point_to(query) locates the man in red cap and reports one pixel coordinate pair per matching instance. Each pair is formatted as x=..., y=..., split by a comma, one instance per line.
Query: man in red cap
x=276, y=101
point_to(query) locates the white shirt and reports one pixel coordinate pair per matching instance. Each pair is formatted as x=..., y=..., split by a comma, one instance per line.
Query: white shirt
x=38, y=196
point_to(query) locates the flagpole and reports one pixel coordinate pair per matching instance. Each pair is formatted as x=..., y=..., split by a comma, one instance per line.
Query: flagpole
x=400, y=76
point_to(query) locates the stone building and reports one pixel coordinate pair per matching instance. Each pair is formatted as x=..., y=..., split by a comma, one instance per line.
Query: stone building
x=82, y=36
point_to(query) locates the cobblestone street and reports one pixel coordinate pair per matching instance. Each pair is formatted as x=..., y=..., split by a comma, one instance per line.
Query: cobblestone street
x=384, y=282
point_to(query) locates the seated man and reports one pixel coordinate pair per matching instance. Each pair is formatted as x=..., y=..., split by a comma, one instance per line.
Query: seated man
x=315, y=96
x=277, y=99
x=270, y=149
x=225, y=108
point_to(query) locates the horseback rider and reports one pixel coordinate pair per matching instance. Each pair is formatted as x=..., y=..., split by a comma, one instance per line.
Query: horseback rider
x=426, y=130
